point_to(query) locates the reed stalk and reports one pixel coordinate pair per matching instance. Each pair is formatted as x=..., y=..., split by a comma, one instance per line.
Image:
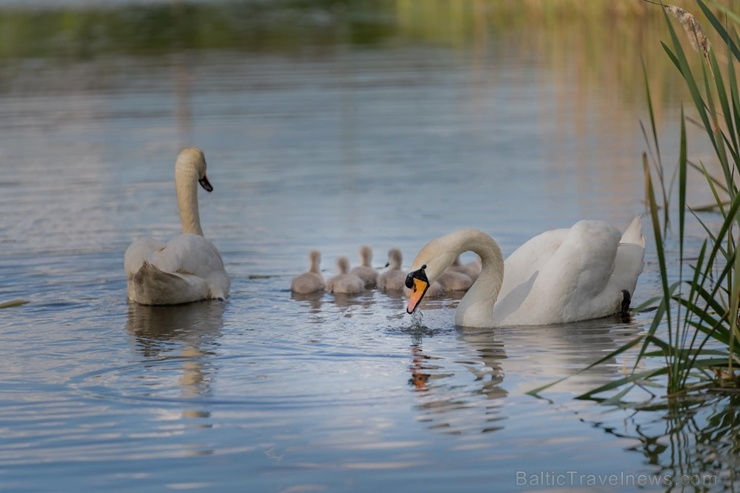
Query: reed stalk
x=695, y=330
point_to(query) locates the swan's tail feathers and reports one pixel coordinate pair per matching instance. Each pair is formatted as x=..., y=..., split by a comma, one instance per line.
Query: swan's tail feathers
x=152, y=286
x=220, y=291
x=630, y=261
x=633, y=233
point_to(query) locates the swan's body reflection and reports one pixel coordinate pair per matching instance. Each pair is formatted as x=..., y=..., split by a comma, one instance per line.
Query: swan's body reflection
x=465, y=393
x=182, y=332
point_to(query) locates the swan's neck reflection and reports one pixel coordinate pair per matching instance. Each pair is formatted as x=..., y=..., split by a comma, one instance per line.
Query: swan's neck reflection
x=185, y=333
x=453, y=401
x=462, y=390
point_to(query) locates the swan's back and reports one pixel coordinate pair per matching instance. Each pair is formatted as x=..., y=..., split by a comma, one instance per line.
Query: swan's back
x=139, y=252
x=571, y=274
x=188, y=268
x=192, y=254
x=528, y=259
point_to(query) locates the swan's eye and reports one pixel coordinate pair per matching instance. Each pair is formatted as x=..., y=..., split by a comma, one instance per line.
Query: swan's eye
x=410, y=280
x=417, y=274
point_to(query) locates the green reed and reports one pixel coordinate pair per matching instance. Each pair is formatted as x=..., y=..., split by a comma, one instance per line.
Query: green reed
x=695, y=328
x=700, y=310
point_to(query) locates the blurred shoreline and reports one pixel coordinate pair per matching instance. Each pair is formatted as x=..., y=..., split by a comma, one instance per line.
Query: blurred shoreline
x=606, y=43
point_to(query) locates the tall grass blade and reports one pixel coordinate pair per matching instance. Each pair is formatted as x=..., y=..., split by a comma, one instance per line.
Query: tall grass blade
x=696, y=326
x=717, y=25
x=636, y=379
x=679, y=58
x=719, y=204
x=682, y=166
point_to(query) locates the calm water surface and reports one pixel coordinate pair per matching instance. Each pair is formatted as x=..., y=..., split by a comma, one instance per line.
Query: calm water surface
x=334, y=148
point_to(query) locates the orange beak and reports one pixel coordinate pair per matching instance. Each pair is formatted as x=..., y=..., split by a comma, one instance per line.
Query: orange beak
x=418, y=283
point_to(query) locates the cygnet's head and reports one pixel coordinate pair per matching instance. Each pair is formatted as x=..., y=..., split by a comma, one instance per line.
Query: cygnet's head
x=395, y=259
x=343, y=265
x=366, y=254
x=314, y=259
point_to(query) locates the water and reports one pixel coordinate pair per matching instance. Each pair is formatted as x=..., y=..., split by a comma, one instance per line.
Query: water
x=327, y=147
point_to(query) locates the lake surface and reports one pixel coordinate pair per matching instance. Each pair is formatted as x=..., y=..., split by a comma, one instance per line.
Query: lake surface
x=327, y=146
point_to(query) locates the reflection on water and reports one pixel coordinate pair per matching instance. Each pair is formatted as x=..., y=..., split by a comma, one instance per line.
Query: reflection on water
x=314, y=300
x=157, y=327
x=692, y=442
x=464, y=396
x=184, y=333
x=448, y=407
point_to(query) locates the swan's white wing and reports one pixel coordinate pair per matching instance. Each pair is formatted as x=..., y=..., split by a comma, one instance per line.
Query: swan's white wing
x=604, y=264
x=521, y=270
x=139, y=252
x=584, y=263
x=188, y=268
x=153, y=286
x=194, y=255
x=188, y=253
x=567, y=282
x=528, y=259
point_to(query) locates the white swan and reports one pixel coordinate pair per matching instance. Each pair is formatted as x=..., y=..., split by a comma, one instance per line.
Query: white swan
x=189, y=267
x=344, y=282
x=394, y=278
x=365, y=270
x=311, y=281
x=587, y=271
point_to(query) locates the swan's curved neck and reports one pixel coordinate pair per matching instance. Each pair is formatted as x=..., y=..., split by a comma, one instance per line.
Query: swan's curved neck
x=186, y=185
x=476, y=307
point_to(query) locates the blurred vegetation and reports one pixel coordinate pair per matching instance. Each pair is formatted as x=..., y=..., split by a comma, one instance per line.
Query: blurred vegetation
x=76, y=31
x=160, y=28
x=604, y=41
